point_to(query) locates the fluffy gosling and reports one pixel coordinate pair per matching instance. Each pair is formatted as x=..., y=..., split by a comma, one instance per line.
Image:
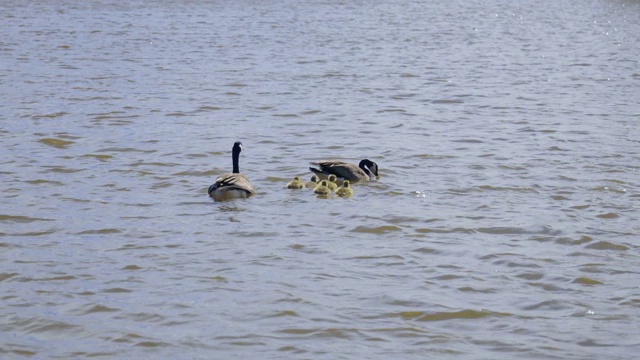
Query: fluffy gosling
x=322, y=190
x=295, y=183
x=345, y=190
x=313, y=183
x=332, y=182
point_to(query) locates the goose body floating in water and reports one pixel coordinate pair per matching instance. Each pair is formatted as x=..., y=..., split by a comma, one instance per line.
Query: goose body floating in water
x=295, y=183
x=232, y=186
x=365, y=171
x=313, y=182
x=345, y=190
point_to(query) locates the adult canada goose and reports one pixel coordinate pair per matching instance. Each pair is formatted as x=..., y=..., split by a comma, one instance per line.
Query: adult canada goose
x=345, y=190
x=322, y=190
x=232, y=186
x=331, y=182
x=313, y=182
x=365, y=171
x=295, y=183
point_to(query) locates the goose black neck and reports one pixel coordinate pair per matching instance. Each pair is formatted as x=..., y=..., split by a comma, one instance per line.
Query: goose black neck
x=235, y=155
x=364, y=165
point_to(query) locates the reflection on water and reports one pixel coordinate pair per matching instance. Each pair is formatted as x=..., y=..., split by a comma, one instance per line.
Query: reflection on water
x=504, y=220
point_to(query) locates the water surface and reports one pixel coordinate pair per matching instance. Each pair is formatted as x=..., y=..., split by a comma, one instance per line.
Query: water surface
x=504, y=225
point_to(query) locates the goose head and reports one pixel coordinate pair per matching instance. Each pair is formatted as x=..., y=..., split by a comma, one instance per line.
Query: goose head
x=369, y=167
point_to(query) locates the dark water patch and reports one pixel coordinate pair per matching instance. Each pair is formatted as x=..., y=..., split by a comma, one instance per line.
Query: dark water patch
x=248, y=234
x=445, y=316
x=35, y=233
x=285, y=115
x=100, y=157
x=507, y=188
x=43, y=326
x=569, y=241
x=580, y=207
x=49, y=116
x=92, y=309
x=605, y=245
x=208, y=108
x=547, y=286
x=7, y=276
x=116, y=290
x=586, y=281
x=548, y=305
x=530, y=276
x=60, y=169
x=376, y=229
x=447, y=101
x=207, y=173
x=152, y=344
x=44, y=182
x=106, y=231
x=469, y=289
x=56, y=143
x=391, y=110
x=426, y=250
x=447, y=277
x=21, y=219
x=442, y=230
x=609, y=215
x=9, y=349
x=132, y=268
x=125, y=150
x=321, y=333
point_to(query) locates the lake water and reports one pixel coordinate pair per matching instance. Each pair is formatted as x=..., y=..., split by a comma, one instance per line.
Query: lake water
x=505, y=223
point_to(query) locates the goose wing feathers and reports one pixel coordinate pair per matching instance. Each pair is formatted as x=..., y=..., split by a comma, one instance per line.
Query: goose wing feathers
x=228, y=182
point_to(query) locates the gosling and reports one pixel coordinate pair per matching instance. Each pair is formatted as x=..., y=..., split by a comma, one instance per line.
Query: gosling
x=322, y=190
x=295, y=183
x=345, y=190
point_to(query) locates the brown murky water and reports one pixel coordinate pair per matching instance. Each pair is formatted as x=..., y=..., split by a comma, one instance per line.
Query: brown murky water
x=504, y=225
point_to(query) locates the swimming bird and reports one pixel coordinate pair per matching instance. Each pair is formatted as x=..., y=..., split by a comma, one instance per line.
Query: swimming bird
x=232, y=186
x=345, y=190
x=295, y=183
x=322, y=190
x=331, y=182
x=365, y=171
x=313, y=182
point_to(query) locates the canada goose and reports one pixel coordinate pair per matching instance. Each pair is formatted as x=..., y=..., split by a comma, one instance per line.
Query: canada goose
x=322, y=190
x=313, y=183
x=365, y=171
x=331, y=182
x=345, y=190
x=232, y=186
x=295, y=183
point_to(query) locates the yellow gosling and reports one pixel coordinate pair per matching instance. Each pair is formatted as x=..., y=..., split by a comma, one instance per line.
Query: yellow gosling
x=295, y=183
x=332, y=182
x=345, y=190
x=313, y=183
x=322, y=190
